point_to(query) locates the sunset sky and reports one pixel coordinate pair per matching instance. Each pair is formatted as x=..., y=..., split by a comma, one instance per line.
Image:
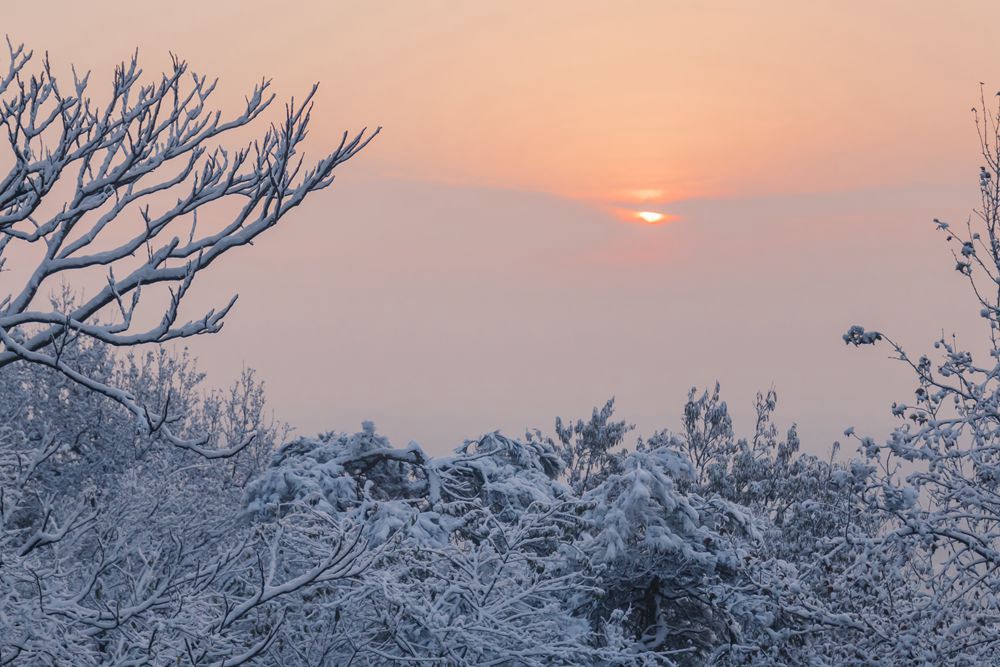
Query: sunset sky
x=482, y=264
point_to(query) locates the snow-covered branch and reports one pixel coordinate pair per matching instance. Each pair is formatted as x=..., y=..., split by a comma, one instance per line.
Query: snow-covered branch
x=118, y=186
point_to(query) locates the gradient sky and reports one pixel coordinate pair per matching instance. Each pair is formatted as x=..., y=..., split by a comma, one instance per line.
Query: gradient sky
x=476, y=269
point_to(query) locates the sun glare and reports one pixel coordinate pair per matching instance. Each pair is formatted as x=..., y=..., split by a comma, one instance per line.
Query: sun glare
x=651, y=217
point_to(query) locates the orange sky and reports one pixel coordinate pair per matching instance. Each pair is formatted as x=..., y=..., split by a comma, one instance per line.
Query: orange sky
x=467, y=272
x=587, y=98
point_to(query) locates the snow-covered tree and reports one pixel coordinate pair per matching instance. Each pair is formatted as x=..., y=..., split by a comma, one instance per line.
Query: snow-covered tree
x=938, y=473
x=661, y=555
x=671, y=548
x=126, y=548
x=786, y=520
x=472, y=548
x=591, y=449
x=116, y=186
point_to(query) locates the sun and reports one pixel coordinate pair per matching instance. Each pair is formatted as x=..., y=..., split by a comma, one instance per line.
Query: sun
x=640, y=217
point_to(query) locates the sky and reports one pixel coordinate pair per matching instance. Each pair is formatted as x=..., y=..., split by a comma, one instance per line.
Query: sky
x=481, y=265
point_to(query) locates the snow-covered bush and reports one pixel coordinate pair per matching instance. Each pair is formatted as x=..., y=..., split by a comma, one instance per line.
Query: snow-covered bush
x=117, y=543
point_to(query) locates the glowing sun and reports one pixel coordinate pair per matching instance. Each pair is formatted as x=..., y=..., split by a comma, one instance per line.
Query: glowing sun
x=651, y=217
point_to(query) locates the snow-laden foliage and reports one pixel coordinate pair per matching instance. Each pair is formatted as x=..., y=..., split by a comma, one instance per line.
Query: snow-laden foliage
x=526, y=551
x=472, y=550
x=935, y=480
x=122, y=546
x=344, y=548
x=660, y=555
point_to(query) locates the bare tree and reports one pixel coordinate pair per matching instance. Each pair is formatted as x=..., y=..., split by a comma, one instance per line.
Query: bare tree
x=79, y=170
